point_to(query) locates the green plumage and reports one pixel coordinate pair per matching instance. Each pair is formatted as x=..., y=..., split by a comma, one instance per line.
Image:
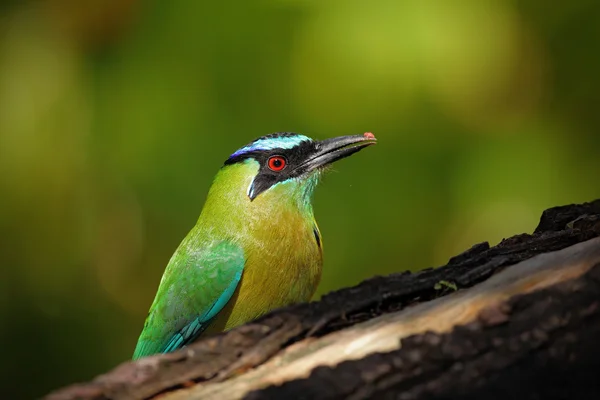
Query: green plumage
x=193, y=281
x=246, y=255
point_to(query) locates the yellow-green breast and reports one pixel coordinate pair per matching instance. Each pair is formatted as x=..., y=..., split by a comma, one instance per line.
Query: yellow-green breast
x=280, y=238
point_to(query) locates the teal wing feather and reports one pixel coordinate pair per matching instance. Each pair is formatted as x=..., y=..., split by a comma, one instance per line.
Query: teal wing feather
x=196, y=285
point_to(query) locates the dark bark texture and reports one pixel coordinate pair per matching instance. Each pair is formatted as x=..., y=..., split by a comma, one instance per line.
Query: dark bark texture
x=539, y=345
x=546, y=348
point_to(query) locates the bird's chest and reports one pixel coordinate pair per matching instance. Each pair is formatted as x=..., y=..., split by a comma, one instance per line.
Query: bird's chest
x=283, y=265
x=283, y=257
x=285, y=262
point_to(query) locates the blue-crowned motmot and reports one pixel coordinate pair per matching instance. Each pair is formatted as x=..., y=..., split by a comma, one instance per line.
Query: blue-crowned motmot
x=256, y=245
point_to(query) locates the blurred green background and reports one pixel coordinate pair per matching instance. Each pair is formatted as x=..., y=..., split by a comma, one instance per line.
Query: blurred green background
x=116, y=114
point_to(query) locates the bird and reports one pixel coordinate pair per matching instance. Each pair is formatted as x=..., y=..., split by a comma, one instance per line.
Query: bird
x=255, y=247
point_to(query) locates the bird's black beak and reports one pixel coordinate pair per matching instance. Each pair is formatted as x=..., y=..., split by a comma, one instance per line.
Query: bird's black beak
x=330, y=150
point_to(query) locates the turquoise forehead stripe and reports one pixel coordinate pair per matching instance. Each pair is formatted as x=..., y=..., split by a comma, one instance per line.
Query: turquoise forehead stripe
x=286, y=142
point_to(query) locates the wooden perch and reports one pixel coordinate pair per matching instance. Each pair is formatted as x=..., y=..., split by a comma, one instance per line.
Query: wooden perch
x=517, y=320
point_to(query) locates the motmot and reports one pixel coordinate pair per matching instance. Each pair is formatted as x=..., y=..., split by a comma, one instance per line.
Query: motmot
x=255, y=247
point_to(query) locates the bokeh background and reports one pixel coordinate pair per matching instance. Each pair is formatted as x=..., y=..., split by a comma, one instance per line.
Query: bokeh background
x=116, y=114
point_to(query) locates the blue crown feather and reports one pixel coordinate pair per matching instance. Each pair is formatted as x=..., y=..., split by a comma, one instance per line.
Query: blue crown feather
x=273, y=141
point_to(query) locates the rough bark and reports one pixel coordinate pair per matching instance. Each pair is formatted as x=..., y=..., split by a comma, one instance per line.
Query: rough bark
x=519, y=325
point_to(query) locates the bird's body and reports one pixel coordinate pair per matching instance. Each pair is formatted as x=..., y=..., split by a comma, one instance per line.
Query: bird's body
x=256, y=245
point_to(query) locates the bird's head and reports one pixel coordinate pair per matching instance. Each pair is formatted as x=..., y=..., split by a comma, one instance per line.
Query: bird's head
x=294, y=160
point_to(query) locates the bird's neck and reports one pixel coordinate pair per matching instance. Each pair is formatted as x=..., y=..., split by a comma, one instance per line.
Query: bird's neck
x=228, y=207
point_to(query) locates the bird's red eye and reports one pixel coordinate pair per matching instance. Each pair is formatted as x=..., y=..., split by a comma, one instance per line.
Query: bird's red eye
x=276, y=163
